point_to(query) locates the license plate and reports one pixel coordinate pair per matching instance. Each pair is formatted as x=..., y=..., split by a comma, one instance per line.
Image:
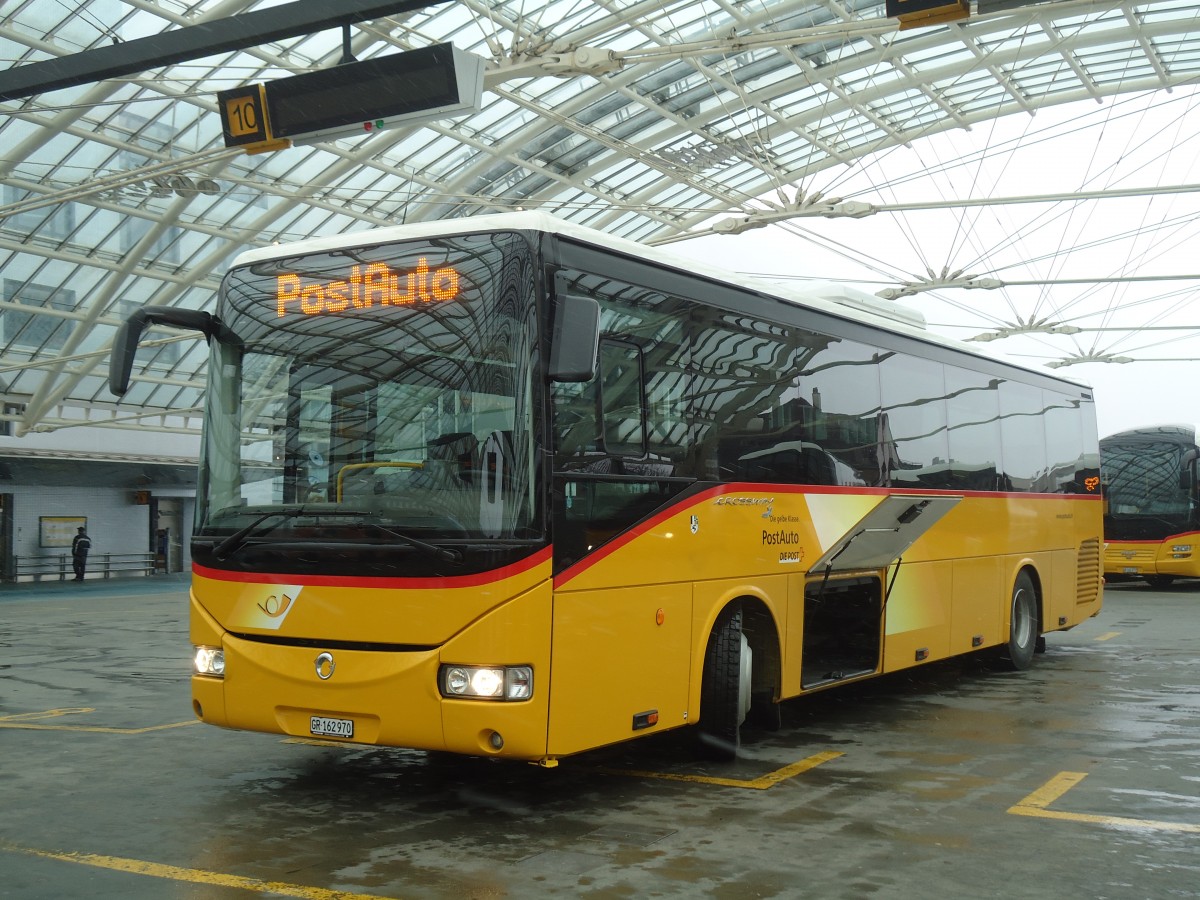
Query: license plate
x=1130, y=570
x=320, y=725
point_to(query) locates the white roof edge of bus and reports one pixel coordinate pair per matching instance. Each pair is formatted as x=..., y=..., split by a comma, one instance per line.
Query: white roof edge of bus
x=830, y=297
x=1191, y=427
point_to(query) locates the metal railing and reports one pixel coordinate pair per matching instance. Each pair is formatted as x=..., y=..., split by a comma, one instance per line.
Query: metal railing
x=99, y=565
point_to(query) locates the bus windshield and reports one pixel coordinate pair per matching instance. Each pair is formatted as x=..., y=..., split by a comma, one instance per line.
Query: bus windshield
x=1143, y=478
x=378, y=395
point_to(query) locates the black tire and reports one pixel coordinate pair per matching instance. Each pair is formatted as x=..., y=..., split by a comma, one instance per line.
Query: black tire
x=1159, y=581
x=725, y=683
x=1023, y=631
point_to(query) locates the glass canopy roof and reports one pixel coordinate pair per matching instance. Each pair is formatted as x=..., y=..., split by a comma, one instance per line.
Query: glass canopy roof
x=657, y=121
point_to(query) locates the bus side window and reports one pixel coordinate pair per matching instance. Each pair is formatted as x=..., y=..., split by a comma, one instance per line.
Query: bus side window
x=622, y=398
x=604, y=418
x=1065, y=450
x=576, y=419
x=1022, y=436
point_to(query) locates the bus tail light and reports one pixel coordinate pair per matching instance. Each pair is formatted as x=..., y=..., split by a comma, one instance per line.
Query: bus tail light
x=486, y=682
x=209, y=661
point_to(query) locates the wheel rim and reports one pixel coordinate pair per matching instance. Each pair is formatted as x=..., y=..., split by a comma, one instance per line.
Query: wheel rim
x=746, y=666
x=1022, y=624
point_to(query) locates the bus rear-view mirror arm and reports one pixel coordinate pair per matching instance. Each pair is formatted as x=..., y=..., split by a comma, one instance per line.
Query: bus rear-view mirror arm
x=120, y=362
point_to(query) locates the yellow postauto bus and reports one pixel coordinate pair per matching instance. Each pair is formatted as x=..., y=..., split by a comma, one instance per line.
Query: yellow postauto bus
x=1151, y=504
x=509, y=487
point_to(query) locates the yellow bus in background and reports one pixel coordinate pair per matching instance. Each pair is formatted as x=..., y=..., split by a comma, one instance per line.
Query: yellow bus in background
x=509, y=487
x=1151, y=504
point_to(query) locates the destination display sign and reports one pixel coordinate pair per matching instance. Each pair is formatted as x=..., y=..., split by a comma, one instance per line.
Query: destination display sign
x=364, y=287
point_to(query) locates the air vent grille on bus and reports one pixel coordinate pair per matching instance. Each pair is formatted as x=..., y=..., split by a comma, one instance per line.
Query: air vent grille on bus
x=1087, y=576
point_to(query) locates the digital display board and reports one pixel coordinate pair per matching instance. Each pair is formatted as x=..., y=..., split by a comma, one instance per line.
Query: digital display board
x=924, y=13
x=358, y=92
x=353, y=98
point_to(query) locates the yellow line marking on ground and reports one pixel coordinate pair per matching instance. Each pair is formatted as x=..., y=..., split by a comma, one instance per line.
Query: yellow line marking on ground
x=48, y=714
x=195, y=876
x=27, y=721
x=1035, y=805
x=762, y=783
x=1109, y=635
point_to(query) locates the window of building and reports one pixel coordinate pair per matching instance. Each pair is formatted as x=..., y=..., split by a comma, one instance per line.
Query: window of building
x=55, y=222
x=34, y=330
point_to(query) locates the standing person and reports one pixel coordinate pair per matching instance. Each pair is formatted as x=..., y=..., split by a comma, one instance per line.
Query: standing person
x=79, y=552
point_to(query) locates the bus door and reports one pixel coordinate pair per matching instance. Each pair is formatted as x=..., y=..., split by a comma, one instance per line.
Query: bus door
x=846, y=590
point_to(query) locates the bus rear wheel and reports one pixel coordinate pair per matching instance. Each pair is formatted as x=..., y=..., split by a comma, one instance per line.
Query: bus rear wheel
x=725, y=688
x=1023, y=629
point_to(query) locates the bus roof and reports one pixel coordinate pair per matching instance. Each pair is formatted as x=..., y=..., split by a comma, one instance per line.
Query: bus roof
x=1180, y=432
x=835, y=299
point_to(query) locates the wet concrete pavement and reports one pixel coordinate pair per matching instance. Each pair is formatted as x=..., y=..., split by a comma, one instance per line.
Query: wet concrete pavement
x=1079, y=778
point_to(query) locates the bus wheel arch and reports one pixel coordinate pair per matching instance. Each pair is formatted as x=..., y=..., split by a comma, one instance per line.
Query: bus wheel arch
x=766, y=686
x=740, y=672
x=1024, y=621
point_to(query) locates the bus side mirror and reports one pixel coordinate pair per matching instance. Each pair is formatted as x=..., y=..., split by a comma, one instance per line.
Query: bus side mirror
x=575, y=339
x=1188, y=470
x=120, y=362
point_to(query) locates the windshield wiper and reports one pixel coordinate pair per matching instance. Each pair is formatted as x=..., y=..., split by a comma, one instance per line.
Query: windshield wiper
x=443, y=553
x=238, y=538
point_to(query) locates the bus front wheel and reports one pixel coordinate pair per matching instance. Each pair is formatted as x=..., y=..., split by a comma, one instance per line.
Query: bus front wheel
x=1159, y=581
x=725, y=688
x=1023, y=625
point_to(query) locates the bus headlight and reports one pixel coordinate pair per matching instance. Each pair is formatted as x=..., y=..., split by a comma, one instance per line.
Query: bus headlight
x=486, y=682
x=209, y=661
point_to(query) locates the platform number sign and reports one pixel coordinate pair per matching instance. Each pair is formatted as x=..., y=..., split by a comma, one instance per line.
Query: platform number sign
x=243, y=115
